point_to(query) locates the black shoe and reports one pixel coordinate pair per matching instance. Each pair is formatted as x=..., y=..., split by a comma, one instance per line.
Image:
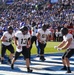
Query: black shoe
x=68, y=71
x=42, y=58
x=64, y=68
x=9, y=61
x=29, y=70
x=2, y=61
x=12, y=66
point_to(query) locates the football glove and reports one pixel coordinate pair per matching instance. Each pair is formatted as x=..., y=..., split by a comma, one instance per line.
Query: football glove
x=59, y=49
x=55, y=47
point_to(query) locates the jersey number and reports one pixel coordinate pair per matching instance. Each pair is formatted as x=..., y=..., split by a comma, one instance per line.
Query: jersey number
x=23, y=41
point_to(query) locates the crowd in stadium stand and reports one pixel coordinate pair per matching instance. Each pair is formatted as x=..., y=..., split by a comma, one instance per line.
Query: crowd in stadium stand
x=36, y=12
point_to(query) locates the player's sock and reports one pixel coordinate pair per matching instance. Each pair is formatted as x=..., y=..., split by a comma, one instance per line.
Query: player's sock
x=64, y=68
x=9, y=60
x=12, y=66
x=2, y=61
x=68, y=70
x=29, y=70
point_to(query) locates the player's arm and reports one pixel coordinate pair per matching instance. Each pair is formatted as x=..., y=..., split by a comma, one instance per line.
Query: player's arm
x=3, y=38
x=15, y=40
x=47, y=38
x=29, y=43
x=61, y=44
x=68, y=42
x=38, y=37
x=16, y=43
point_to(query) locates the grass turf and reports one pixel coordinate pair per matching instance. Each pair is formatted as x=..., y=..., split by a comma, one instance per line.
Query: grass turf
x=49, y=48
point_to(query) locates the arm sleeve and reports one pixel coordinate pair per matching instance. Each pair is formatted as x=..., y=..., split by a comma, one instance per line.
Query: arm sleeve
x=69, y=36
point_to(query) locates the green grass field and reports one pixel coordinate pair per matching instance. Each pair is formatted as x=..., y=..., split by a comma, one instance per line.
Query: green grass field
x=49, y=48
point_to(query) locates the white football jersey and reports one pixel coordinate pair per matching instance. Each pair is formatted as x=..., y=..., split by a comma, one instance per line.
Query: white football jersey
x=8, y=38
x=68, y=36
x=34, y=31
x=22, y=39
x=43, y=35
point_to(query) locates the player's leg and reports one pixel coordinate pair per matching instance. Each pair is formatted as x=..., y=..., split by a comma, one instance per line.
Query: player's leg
x=42, y=46
x=63, y=61
x=29, y=51
x=26, y=56
x=70, y=52
x=68, y=65
x=28, y=65
x=32, y=40
x=11, y=49
x=38, y=48
x=3, y=50
x=17, y=54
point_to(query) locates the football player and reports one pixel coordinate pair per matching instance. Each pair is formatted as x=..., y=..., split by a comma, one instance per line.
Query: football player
x=43, y=37
x=22, y=42
x=67, y=43
x=7, y=44
x=34, y=39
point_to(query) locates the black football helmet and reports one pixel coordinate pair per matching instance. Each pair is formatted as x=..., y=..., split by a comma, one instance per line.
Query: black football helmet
x=64, y=31
x=24, y=29
x=10, y=29
x=44, y=27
